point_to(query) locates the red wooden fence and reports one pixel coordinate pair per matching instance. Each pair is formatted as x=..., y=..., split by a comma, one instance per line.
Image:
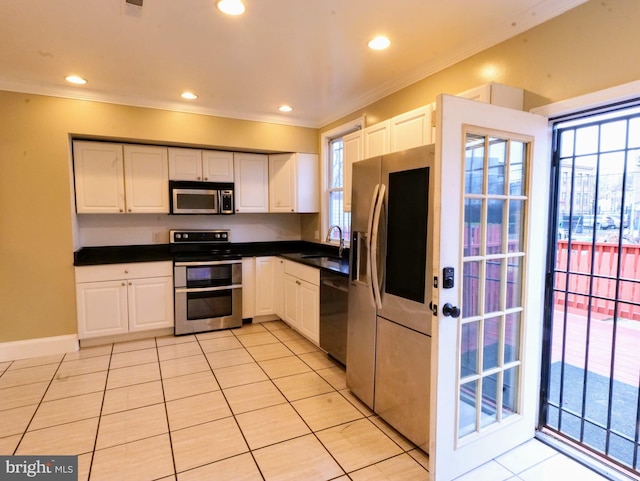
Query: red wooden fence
x=601, y=283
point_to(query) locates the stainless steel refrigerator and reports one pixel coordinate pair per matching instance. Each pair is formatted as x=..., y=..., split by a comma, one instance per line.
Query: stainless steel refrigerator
x=389, y=320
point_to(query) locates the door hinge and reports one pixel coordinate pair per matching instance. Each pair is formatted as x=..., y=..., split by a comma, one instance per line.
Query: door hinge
x=435, y=282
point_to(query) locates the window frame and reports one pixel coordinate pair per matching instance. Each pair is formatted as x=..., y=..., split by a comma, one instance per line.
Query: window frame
x=325, y=154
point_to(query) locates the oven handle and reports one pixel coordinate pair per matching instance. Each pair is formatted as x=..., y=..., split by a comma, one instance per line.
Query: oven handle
x=181, y=290
x=206, y=263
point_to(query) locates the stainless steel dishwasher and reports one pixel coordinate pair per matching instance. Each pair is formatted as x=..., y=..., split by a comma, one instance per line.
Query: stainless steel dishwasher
x=334, y=292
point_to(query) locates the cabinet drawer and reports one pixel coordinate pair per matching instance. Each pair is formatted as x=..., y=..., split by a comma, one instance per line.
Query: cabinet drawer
x=133, y=270
x=305, y=273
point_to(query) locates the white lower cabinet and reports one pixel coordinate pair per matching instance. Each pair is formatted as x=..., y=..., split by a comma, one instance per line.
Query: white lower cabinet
x=121, y=298
x=264, y=276
x=265, y=286
x=248, y=287
x=302, y=299
x=278, y=290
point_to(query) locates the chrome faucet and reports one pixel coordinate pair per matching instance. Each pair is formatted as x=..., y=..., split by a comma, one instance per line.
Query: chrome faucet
x=341, y=238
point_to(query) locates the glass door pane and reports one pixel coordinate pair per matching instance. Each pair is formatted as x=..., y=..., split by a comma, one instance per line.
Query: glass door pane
x=495, y=208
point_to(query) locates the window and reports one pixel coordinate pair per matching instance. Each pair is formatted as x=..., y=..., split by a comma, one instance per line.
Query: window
x=333, y=160
x=335, y=209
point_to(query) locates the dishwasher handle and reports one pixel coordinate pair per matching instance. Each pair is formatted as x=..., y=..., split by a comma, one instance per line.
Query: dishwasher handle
x=344, y=287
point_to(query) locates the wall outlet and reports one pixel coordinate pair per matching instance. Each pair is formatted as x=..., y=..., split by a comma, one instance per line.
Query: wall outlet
x=156, y=237
x=316, y=235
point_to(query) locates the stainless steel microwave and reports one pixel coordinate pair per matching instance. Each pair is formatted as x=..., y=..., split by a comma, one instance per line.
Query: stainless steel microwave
x=187, y=197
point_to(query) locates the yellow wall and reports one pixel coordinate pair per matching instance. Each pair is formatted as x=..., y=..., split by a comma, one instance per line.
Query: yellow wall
x=587, y=49
x=37, y=293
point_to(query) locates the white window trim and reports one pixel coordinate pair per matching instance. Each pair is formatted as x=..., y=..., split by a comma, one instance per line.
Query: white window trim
x=325, y=138
x=601, y=98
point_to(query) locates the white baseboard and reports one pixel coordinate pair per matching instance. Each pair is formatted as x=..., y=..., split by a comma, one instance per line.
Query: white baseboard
x=44, y=346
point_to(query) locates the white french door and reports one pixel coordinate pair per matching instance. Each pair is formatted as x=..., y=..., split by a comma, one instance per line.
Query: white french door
x=491, y=206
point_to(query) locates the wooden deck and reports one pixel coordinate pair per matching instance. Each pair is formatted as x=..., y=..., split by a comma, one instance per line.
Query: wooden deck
x=597, y=355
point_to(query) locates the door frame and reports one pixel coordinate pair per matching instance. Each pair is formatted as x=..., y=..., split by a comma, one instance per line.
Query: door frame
x=447, y=457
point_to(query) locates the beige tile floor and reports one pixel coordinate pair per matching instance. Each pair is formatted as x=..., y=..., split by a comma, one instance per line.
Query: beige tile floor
x=256, y=403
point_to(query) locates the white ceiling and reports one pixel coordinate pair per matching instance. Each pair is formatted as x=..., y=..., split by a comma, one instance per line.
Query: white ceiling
x=311, y=54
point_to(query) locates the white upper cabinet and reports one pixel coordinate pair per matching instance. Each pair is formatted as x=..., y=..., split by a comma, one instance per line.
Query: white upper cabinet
x=146, y=171
x=99, y=177
x=112, y=178
x=185, y=164
x=377, y=139
x=352, y=151
x=200, y=165
x=293, y=183
x=497, y=94
x=251, y=173
x=411, y=129
x=217, y=166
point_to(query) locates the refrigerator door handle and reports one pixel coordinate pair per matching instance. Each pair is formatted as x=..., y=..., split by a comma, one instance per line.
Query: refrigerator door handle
x=375, y=281
x=372, y=209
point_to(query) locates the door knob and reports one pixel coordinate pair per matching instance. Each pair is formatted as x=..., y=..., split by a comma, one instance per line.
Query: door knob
x=449, y=310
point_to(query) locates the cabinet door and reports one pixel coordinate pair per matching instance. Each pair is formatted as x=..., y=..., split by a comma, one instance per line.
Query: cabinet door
x=309, y=310
x=251, y=173
x=102, y=308
x=248, y=287
x=278, y=289
x=377, y=139
x=352, y=152
x=290, y=307
x=307, y=180
x=282, y=183
x=411, y=129
x=217, y=166
x=150, y=303
x=99, y=177
x=185, y=164
x=146, y=171
x=265, y=285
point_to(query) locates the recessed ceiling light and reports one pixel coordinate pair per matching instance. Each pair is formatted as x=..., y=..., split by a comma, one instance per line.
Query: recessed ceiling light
x=74, y=79
x=231, y=7
x=285, y=108
x=379, y=43
x=188, y=95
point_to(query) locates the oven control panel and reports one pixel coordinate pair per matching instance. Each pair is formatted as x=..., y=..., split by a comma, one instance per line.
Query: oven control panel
x=199, y=236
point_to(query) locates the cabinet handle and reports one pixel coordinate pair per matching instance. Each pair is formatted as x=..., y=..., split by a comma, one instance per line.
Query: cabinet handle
x=298, y=282
x=120, y=210
x=292, y=210
x=206, y=178
x=126, y=272
x=129, y=210
x=130, y=283
x=198, y=178
x=123, y=284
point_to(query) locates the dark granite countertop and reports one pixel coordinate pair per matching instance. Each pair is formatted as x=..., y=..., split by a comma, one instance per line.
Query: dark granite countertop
x=293, y=250
x=331, y=262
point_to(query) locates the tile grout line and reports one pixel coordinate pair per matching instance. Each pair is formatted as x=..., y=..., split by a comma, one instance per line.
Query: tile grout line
x=365, y=415
x=337, y=391
x=250, y=451
x=166, y=412
x=296, y=411
x=104, y=395
x=24, y=432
